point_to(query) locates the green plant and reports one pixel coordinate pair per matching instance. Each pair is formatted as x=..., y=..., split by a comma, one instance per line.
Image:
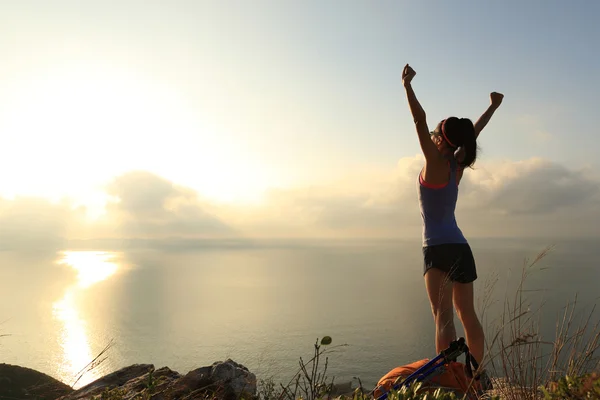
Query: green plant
x=112, y=394
x=266, y=389
x=97, y=361
x=582, y=387
x=151, y=384
x=415, y=391
x=309, y=382
x=526, y=361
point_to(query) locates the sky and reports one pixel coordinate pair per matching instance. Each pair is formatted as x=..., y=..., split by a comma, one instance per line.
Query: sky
x=288, y=119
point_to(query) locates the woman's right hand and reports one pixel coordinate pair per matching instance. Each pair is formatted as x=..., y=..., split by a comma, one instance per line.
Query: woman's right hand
x=496, y=99
x=407, y=75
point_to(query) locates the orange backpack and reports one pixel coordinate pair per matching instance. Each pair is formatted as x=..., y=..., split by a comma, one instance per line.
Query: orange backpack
x=442, y=372
x=453, y=378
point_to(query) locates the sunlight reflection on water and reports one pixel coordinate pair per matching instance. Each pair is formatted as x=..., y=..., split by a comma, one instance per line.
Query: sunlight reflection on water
x=91, y=267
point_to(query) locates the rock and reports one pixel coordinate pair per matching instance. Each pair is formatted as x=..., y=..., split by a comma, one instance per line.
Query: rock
x=236, y=376
x=342, y=389
x=503, y=388
x=151, y=382
x=192, y=381
x=110, y=381
x=24, y=383
x=224, y=380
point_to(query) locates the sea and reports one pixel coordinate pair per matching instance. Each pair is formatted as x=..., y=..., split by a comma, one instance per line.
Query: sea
x=266, y=304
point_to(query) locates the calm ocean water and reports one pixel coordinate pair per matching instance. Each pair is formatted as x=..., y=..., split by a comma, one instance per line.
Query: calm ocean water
x=262, y=306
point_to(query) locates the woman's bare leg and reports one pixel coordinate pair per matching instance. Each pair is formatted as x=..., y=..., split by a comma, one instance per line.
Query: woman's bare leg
x=465, y=309
x=439, y=290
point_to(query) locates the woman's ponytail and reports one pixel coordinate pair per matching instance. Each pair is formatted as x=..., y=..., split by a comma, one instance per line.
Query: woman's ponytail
x=469, y=142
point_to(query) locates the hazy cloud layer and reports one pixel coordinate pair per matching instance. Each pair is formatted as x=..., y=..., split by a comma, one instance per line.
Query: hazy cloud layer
x=532, y=197
x=147, y=205
x=530, y=187
x=501, y=198
x=35, y=224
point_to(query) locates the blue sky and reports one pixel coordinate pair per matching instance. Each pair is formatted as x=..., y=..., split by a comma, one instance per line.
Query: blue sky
x=540, y=54
x=234, y=98
x=343, y=60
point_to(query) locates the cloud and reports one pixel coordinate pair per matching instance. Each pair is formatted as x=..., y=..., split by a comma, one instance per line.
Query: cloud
x=36, y=225
x=500, y=198
x=32, y=231
x=149, y=206
x=532, y=197
x=531, y=187
x=370, y=203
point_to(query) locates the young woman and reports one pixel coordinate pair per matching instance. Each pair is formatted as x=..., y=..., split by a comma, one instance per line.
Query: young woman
x=449, y=266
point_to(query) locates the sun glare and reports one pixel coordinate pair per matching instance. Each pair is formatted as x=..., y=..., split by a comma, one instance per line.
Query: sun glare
x=86, y=123
x=76, y=349
x=91, y=267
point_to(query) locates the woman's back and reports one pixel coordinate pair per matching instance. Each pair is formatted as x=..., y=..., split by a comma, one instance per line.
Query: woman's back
x=438, y=204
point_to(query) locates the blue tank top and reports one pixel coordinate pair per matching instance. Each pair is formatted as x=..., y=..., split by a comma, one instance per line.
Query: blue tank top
x=437, y=204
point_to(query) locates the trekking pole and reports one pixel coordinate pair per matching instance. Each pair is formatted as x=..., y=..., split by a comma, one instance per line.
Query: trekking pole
x=456, y=348
x=416, y=375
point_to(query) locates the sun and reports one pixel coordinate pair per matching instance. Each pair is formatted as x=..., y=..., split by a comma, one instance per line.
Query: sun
x=75, y=126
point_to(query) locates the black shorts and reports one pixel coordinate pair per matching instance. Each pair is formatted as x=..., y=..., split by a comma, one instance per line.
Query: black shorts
x=454, y=258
